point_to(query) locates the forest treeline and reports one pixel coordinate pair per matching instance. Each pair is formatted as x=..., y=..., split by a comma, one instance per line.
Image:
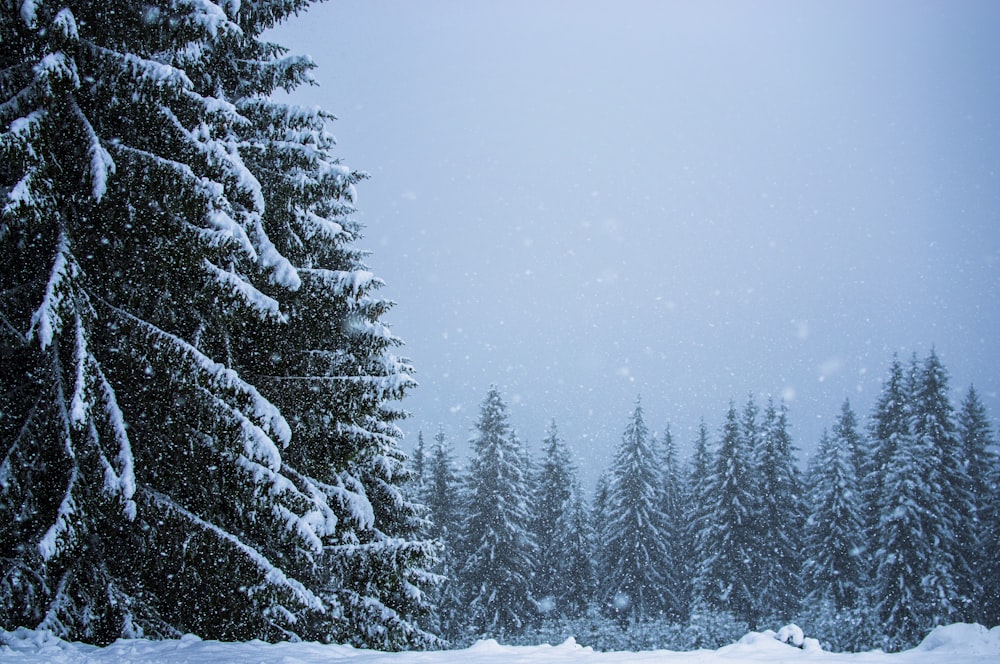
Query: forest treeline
x=893, y=529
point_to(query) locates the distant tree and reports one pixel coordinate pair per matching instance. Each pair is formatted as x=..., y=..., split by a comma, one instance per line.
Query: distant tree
x=676, y=571
x=934, y=427
x=889, y=426
x=420, y=461
x=834, y=568
x=497, y=554
x=634, y=541
x=553, y=490
x=698, y=513
x=442, y=498
x=728, y=578
x=575, y=570
x=977, y=439
x=780, y=516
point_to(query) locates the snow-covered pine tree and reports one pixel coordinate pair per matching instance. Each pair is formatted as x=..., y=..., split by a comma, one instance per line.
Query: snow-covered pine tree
x=443, y=502
x=888, y=427
x=553, y=489
x=698, y=513
x=951, y=582
x=420, y=461
x=635, y=555
x=330, y=367
x=497, y=553
x=676, y=567
x=780, y=516
x=920, y=569
x=574, y=536
x=139, y=254
x=978, y=442
x=833, y=569
x=728, y=579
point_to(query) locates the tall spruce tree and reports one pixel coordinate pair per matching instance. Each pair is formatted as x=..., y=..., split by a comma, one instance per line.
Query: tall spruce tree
x=675, y=570
x=574, y=537
x=934, y=427
x=889, y=426
x=698, y=514
x=834, y=569
x=633, y=585
x=780, y=516
x=441, y=496
x=728, y=579
x=553, y=491
x=977, y=439
x=174, y=246
x=497, y=554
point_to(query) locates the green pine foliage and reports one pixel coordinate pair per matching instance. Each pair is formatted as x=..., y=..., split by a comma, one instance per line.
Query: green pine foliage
x=197, y=433
x=633, y=583
x=497, y=551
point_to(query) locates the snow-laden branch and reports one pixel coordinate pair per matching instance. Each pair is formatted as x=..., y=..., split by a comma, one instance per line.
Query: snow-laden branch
x=271, y=573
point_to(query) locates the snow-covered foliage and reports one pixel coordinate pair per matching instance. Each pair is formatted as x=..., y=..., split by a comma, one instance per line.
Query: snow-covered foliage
x=635, y=559
x=195, y=422
x=497, y=552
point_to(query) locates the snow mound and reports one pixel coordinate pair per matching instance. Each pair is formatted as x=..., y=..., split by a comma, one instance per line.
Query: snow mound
x=962, y=638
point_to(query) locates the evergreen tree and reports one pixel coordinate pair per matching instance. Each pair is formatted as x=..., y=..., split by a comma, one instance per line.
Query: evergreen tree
x=977, y=440
x=676, y=572
x=443, y=502
x=922, y=575
x=698, y=513
x=729, y=577
x=634, y=542
x=953, y=585
x=175, y=248
x=497, y=551
x=554, y=486
x=833, y=567
x=888, y=427
x=780, y=516
x=574, y=569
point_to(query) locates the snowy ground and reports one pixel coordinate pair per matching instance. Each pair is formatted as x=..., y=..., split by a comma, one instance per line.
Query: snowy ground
x=954, y=644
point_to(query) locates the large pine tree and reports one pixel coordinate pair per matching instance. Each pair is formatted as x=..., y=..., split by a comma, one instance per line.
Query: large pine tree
x=780, y=516
x=177, y=274
x=728, y=578
x=497, y=552
x=834, y=568
x=635, y=555
x=977, y=439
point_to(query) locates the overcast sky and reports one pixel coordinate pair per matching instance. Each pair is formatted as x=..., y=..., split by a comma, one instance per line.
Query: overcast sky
x=583, y=202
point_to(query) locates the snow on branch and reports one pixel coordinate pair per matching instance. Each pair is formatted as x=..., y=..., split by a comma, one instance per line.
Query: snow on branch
x=122, y=481
x=353, y=283
x=49, y=544
x=46, y=322
x=220, y=375
x=271, y=573
x=246, y=291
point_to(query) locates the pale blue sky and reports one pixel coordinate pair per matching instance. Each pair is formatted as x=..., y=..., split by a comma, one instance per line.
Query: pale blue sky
x=585, y=201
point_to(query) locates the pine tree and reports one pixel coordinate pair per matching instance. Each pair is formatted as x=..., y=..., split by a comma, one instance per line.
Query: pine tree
x=574, y=570
x=780, y=516
x=633, y=587
x=553, y=491
x=698, y=513
x=676, y=571
x=497, y=554
x=952, y=583
x=888, y=427
x=728, y=578
x=977, y=440
x=834, y=567
x=443, y=502
x=177, y=256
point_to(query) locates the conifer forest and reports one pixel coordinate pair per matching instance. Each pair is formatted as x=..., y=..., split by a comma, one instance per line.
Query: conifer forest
x=201, y=406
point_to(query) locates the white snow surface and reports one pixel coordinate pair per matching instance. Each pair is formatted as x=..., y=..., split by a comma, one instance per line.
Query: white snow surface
x=955, y=644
